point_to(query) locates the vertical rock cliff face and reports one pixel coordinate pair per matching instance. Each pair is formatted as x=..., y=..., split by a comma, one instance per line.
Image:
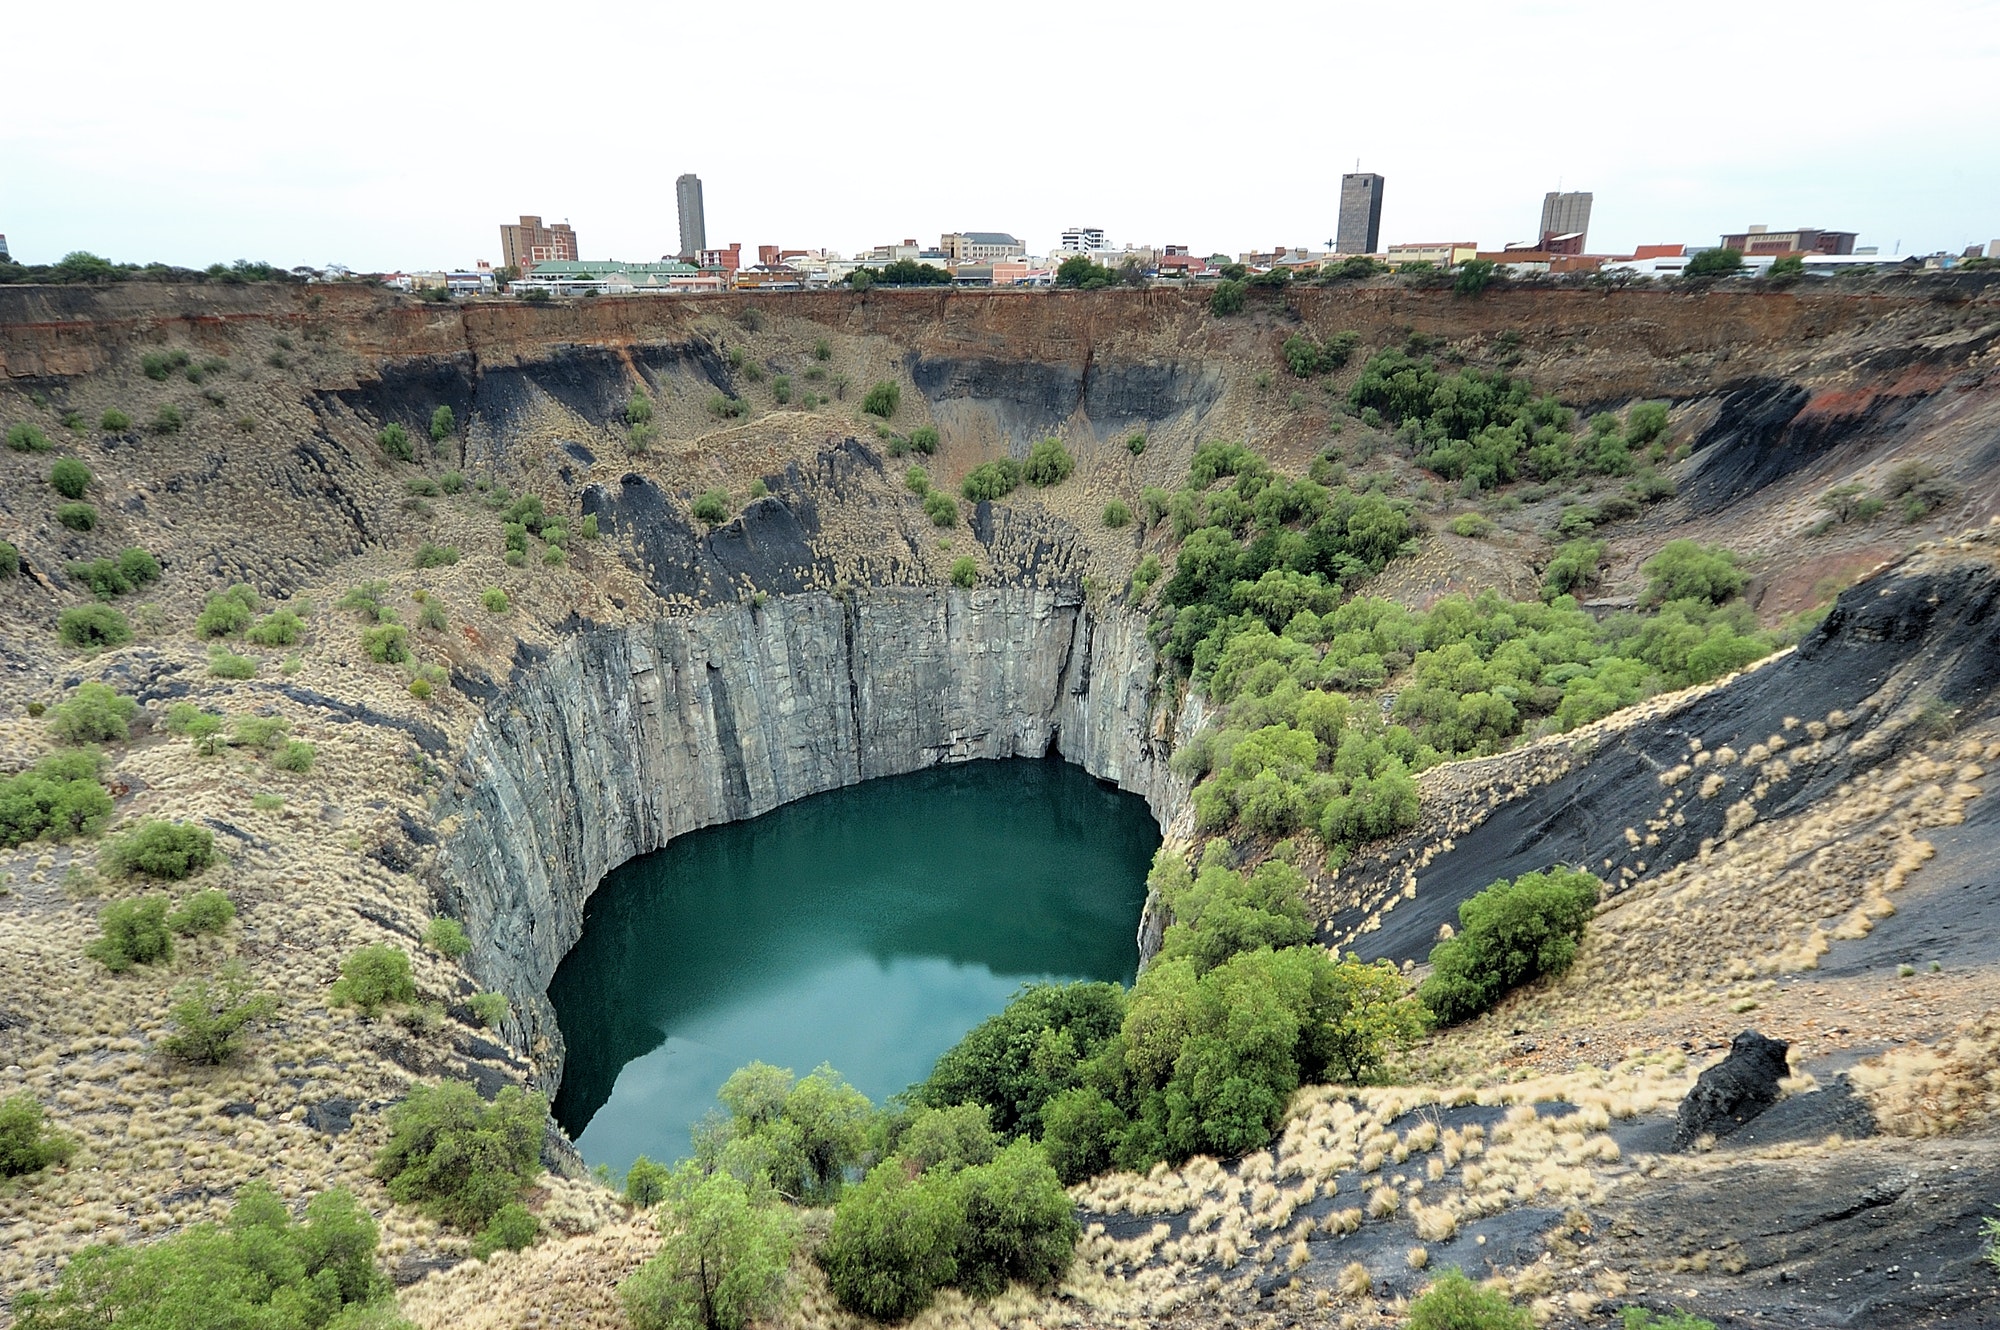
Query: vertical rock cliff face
x=624, y=738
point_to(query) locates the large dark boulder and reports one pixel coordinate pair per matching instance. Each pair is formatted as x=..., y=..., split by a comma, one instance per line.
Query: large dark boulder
x=1734, y=1090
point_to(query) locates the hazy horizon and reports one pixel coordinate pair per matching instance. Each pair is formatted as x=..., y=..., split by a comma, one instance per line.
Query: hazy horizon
x=404, y=137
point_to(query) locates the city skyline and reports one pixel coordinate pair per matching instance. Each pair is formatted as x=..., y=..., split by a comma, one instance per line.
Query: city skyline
x=317, y=161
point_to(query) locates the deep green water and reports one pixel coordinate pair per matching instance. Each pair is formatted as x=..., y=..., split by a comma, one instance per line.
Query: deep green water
x=869, y=927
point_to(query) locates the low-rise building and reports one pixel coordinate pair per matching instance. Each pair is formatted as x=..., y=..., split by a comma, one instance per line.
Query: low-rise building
x=725, y=261
x=1798, y=240
x=609, y=277
x=980, y=246
x=1439, y=253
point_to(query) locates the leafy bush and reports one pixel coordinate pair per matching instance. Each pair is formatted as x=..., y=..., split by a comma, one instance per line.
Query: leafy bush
x=160, y=365
x=1470, y=525
x=212, y=1018
x=132, y=569
x=282, y=627
x=168, y=851
x=723, y=1261
x=1227, y=298
x=10, y=558
x=77, y=516
x=964, y=572
x=1049, y=463
x=459, y=1158
x=132, y=932
x=208, y=911
x=494, y=599
x=435, y=556
x=443, y=424
x=1454, y=1302
x=1509, y=934
x=646, y=1183
x=91, y=626
x=797, y=1137
x=882, y=400
x=992, y=480
x=373, y=977
x=940, y=508
x=1575, y=567
x=229, y=665
x=24, y=437
x=512, y=1228
x=1015, y=1061
x=924, y=438
x=296, y=756
x=168, y=420
x=948, y=1138
x=638, y=409
x=490, y=1008
x=395, y=441
x=917, y=481
x=1714, y=263
x=713, y=506
x=227, y=612
x=447, y=937
x=724, y=407
x=893, y=1243
x=366, y=598
x=260, y=1269
x=1117, y=514
x=69, y=477
x=1686, y=570
x=1019, y=1224
x=27, y=1143
x=114, y=421
x=94, y=713
x=386, y=643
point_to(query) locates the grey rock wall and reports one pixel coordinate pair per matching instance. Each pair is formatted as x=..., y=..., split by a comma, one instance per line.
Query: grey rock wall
x=624, y=738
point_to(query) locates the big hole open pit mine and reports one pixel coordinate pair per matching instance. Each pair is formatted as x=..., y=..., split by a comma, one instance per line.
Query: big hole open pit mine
x=372, y=635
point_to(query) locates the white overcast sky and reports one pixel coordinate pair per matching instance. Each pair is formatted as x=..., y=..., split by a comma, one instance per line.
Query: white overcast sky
x=399, y=135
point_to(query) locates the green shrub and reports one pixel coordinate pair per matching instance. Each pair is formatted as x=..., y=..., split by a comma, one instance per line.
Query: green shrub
x=1016, y=1060
x=375, y=976
x=1227, y=298
x=265, y=802
x=259, y=732
x=822, y=350
x=882, y=400
x=227, y=612
x=435, y=556
x=1117, y=514
x=1453, y=1302
x=1714, y=263
x=132, y=569
x=724, y=407
x=1020, y=1225
x=190, y=721
x=77, y=516
x=494, y=599
x=646, y=1183
x=490, y=1008
x=420, y=689
x=553, y=556
x=296, y=756
x=229, y=665
x=10, y=558
x=169, y=851
x=1574, y=568
x=1081, y=1131
x=1509, y=934
x=443, y=424
x=447, y=937
x=212, y=1019
x=940, y=508
x=638, y=409
x=461, y=1159
x=168, y=420
x=513, y=1228
x=1471, y=525
x=1136, y=445
x=798, y=1137
x=204, y=912
x=1049, y=463
x=91, y=626
x=723, y=1262
x=160, y=365
x=431, y=617
x=924, y=438
x=57, y=799
x=948, y=1138
x=132, y=932
x=114, y=421
x=386, y=644
x=992, y=480
x=260, y=1269
x=282, y=627
x=23, y=437
x=1686, y=570
x=27, y=1143
x=713, y=506
x=395, y=441
x=964, y=571
x=69, y=477
x=586, y=527
x=894, y=1242
x=94, y=713
x=1638, y=1318
x=917, y=481
x=452, y=482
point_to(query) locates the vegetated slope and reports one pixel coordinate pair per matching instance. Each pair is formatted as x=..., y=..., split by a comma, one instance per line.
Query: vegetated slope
x=278, y=468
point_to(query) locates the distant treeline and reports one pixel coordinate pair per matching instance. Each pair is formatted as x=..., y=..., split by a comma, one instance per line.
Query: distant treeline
x=83, y=268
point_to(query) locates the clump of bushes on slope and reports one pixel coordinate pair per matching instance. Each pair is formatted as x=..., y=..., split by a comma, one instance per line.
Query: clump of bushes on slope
x=58, y=798
x=168, y=851
x=458, y=1157
x=132, y=570
x=725, y=1253
x=94, y=713
x=261, y=1268
x=797, y=1137
x=27, y=1143
x=1509, y=934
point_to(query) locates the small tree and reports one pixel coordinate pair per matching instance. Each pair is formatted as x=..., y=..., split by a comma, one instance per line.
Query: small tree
x=646, y=1183
x=133, y=932
x=883, y=399
x=27, y=1143
x=1714, y=263
x=395, y=441
x=723, y=1261
x=94, y=713
x=1686, y=570
x=1049, y=463
x=1474, y=276
x=169, y=851
x=458, y=1157
x=372, y=978
x=88, y=627
x=212, y=1018
x=69, y=477
x=443, y=424
x=713, y=506
x=894, y=1242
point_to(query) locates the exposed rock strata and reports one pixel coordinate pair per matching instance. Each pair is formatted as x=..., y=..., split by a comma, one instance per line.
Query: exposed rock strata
x=624, y=738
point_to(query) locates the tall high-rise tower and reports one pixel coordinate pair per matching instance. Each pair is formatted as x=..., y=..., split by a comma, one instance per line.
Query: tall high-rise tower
x=694, y=226
x=1360, y=213
x=1563, y=215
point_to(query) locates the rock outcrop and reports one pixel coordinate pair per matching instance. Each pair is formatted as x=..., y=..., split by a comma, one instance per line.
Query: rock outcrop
x=621, y=739
x=1734, y=1090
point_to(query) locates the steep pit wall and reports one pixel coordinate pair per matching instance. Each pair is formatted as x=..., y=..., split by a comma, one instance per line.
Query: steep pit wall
x=622, y=739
